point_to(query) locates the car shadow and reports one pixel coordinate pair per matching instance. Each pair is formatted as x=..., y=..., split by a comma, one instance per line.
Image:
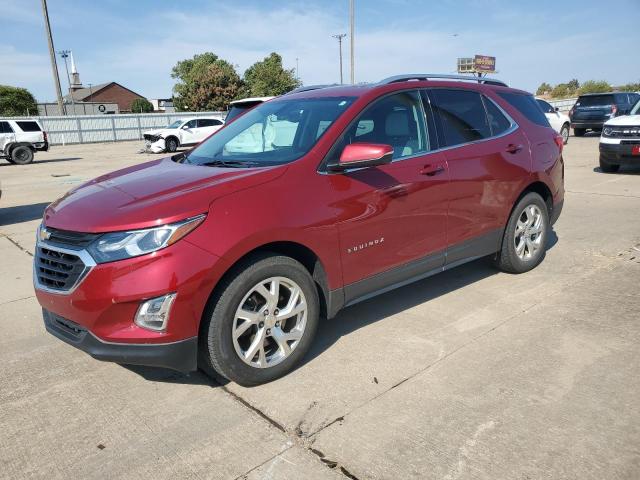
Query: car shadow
x=360, y=315
x=624, y=169
x=35, y=162
x=21, y=213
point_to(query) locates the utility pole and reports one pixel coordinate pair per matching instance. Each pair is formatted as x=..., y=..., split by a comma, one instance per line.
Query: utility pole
x=54, y=65
x=65, y=54
x=297, y=72
x=340, y=36
x=352, y=22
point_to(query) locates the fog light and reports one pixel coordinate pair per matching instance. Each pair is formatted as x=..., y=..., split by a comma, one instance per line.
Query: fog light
x=154, y=314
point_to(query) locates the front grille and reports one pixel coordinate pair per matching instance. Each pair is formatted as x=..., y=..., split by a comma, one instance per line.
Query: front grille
x=624, y=132
x=72, y=239
x=63, y=327
x=57, y=270
x=151, y=138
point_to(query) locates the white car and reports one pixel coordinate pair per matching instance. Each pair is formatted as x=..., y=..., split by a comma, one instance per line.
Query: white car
x=620, y=141
x=181, y=133
x=20, y=139
x=559, y=121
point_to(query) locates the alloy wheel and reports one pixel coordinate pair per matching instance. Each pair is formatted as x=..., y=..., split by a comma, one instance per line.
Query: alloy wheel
x=269, y=322
x=529, y=232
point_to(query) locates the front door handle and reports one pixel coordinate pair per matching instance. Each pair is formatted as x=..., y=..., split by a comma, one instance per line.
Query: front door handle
x=431, y=170
x=512, y=148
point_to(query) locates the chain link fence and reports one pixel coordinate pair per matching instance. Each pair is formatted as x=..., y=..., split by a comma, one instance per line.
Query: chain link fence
x=63, y=130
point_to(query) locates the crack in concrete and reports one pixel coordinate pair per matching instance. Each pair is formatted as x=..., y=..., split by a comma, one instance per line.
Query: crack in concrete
x=603, y=194
x=18, y=245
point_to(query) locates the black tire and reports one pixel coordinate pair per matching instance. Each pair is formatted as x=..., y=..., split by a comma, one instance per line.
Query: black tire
x=21, y=155
x=217, y=354
x=564, y=133
x=579, y=132
x=607, y=167
x=507, y=259
x=171, y=144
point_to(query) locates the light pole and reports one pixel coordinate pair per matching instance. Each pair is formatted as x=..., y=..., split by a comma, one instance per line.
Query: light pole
x=65, y=54
x=297, y=72
x=352, y=22
x=340, y=36
x=54, y=65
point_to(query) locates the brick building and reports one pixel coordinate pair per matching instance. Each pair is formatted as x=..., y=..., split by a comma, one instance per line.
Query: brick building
x=111, y=92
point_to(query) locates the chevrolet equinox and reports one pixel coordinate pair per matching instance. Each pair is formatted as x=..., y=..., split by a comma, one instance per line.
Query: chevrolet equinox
x=226, y=257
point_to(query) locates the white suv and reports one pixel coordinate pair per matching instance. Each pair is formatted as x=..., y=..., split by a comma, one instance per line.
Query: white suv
x=181, y=133
x=19, y=140
x=559, y=121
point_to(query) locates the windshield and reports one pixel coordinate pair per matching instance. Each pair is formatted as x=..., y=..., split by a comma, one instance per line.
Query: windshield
x=636, y=109
x=176, y=124
x=270, y=134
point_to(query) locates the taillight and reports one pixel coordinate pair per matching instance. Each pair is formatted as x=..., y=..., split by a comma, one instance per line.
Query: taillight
x=573, y=109
x=559, y=142
x=614, y=110
x=45, y=136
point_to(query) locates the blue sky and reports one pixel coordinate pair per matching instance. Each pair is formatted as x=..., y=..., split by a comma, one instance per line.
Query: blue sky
x=137, y=42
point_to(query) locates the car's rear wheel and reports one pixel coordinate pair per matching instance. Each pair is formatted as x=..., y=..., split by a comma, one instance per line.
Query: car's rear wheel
x=22, y=155
x=525, y=236
x=171, y=144
x=607, y=167
x=261, y=323
x=579, y=132
x=564, y=133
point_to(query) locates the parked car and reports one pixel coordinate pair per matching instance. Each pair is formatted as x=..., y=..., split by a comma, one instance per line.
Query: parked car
x=181, y=133
x=228, y=260
x=559, y=121
x=239, y=107
x=620, y=141
x=20, y=139
x=593, y=109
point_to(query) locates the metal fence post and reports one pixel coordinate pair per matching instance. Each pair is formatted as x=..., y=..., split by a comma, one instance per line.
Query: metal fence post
x=139, y=127
x=79, y=130
x=113, y=128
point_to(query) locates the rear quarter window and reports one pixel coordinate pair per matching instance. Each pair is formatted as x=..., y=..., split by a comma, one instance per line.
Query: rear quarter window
x=29, y=126
x=527, y=106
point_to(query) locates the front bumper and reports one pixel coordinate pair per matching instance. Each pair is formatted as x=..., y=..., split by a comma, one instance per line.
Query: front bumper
x=157, y=146
x=181, y=355
x=620, y=153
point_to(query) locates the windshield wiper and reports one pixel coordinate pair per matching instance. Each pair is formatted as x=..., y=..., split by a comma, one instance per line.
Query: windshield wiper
x=230, y=163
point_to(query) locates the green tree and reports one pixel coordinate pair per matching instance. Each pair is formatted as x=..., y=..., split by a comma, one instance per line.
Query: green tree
x=573, y=85
x=630, y=87
x=15, y=101
x=205, y=82
x=268, y=77
x=543, y=88
x=560, y=91
x=594, y=86
x=141, y=105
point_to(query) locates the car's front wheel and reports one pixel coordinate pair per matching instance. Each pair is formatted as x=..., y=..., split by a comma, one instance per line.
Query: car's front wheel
x=22, y=155
x=261, y=322
x=564, y=133
x=171, y=144
x=525, y=236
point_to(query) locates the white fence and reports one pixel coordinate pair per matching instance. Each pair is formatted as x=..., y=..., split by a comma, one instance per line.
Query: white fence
x=563, y=105
x=108, y=128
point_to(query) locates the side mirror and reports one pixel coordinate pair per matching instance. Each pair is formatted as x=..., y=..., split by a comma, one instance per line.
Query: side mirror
x=185, y=127
x=361, y=155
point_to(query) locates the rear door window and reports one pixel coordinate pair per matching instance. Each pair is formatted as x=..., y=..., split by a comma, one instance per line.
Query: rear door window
x=206, y=122
x=5, y=127
x=29, y=126
x=461, y=114
x=527, y=106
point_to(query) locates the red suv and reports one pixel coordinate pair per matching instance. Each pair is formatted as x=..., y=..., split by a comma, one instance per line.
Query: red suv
x=226, y=257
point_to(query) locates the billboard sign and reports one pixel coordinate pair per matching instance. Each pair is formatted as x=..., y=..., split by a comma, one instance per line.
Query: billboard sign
x=484, y=63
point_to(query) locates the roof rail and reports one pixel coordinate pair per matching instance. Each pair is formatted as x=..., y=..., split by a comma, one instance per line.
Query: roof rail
x=306, y=88
x=440, y=76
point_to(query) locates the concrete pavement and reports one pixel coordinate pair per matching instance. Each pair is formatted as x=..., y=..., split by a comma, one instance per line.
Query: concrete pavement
x=469, y=374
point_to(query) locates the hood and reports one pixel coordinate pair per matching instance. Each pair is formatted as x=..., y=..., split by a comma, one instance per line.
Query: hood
x=153, y=193
x=157, y=131
x=624, y=120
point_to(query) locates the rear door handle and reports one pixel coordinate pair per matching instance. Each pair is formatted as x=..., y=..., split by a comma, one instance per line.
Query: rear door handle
x=431, y=170
x=511, y=148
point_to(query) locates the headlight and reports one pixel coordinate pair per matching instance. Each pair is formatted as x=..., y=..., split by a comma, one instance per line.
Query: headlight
x=120, y=245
